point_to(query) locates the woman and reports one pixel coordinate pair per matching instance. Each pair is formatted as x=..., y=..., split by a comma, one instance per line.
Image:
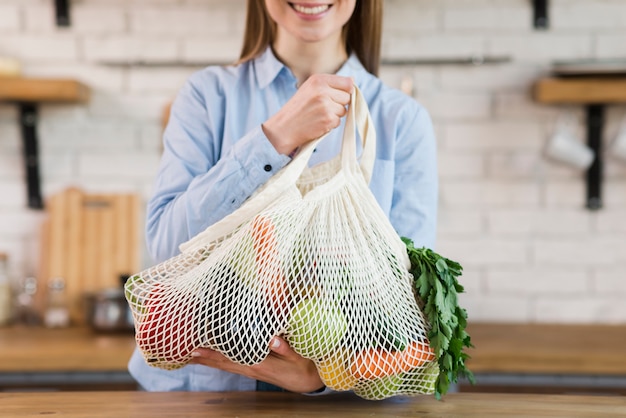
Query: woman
x=232, y=128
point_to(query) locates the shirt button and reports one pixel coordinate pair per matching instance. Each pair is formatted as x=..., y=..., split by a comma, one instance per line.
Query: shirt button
x=267, y=167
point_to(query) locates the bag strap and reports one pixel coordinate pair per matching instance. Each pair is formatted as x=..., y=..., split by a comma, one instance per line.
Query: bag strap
x=285, y=178
x=359, y=115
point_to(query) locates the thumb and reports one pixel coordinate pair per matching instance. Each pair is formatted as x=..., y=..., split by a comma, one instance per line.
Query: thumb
x=280, y=347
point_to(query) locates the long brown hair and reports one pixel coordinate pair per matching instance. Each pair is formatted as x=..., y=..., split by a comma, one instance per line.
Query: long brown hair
x=362, y=33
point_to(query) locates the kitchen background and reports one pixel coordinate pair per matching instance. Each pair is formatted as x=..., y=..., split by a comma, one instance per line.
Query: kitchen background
x=515, y=220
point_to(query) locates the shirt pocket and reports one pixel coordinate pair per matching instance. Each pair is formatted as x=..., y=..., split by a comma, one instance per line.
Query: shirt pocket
x=382, y=183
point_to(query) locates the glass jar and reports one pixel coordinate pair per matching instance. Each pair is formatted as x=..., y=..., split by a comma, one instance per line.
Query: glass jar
x=57, y=313
x=5, y=291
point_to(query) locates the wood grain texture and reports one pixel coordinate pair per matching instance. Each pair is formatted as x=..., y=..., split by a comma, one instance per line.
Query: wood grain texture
x=268, y=404
x=90, y=240
x=553, y=90
x=548, y=348
x=21, y=89
x=72, y=349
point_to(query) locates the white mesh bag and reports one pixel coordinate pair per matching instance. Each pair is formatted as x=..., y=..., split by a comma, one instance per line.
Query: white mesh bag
x=310, y=257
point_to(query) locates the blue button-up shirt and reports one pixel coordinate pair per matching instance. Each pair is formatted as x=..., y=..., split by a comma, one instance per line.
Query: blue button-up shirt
x=216, y=155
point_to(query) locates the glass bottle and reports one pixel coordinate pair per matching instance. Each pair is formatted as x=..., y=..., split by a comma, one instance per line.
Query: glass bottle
x=57, y=313
x=5, y=291
x=25, y=309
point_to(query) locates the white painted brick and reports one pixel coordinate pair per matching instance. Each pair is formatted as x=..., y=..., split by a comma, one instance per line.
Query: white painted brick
x=14, y=194
x=121, y=49
x=18, y=223
x=484, y=252
x=595, y=251
x=472, y=280
x=10, y=139
x=614, y=194
x=541, y=47
x=534, y=281
x=182, y=21
x=608, y=281
x=520, y=106
x=8, y=112
x=495, y=308
x=132, y=107
x=489, y=193
x=579, y=310
x=411, y=16
x=461, y=222
x=492, y=17
x=610, y=221
x=151, y=138
x=131, y=166
x=562, y=223
x=454, y=165
x=523, y=165
x=490, y=78
x=610, y=46
x=420, y=80
x=605, y=14
x=426, y=46
x=486, y=136
x=91, y=135
x=222, y=50
x=565, y=193
x=84, y=18
x=9, y=18
x=96, y=77
x=56, y=48
x=58, y=165
x=452, y=106
x=157, y=80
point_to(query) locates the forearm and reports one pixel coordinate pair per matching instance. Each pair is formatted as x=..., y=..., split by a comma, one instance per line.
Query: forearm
x=185, y=203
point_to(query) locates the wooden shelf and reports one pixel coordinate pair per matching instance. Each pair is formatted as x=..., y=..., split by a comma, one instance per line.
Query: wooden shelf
x=580, y=90
x=28, y=93
x=32, y=90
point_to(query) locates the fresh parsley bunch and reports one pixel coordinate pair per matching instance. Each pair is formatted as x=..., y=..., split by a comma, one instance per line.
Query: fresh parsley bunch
x=435, y=281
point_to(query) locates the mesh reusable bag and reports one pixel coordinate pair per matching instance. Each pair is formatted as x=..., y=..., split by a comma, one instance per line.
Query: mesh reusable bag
x=310, y=257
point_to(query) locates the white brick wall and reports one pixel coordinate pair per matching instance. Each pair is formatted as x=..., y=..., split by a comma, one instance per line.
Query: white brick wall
x=516, y=221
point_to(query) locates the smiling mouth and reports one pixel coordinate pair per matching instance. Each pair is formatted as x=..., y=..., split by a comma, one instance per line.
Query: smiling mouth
x=310, y=10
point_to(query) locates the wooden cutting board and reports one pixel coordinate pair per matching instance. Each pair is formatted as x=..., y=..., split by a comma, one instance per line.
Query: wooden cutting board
x=89, y=240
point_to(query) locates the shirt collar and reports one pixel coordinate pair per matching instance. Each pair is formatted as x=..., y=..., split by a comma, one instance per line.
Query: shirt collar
x=267, y=67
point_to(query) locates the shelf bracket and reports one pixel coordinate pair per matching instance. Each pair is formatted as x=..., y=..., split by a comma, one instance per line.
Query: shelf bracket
x=540, y=14
x=62, y=8
x=28, y=124
x=595, y=124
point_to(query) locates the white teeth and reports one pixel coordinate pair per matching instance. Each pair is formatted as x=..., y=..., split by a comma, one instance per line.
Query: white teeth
x=311, y=10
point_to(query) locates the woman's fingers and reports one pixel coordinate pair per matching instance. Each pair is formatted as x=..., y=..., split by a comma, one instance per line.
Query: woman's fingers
x=283, y=367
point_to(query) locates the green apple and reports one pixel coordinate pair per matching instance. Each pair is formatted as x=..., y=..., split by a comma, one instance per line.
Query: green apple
x=316, y=326
x=382, y=388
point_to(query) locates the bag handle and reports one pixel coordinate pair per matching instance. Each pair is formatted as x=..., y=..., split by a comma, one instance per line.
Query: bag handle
x=359, y=115
x=276, y=186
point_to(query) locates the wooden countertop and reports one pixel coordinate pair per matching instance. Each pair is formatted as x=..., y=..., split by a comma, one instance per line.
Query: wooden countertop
x=75, y=349
x=265, y=404
x=499, y=348
x=548, y=348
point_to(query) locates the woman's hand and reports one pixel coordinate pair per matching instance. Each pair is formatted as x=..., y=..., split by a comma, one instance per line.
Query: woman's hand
x=283, y=367
x=315, y=109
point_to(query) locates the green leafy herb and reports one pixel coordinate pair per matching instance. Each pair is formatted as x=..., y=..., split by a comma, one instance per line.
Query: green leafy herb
x=436, y=285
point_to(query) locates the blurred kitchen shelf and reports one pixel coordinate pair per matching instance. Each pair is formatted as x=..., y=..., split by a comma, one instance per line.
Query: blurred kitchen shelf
x=570, y=90
x=475, y=60
x=20, y=89
x=595, y=93
x=28, y=93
